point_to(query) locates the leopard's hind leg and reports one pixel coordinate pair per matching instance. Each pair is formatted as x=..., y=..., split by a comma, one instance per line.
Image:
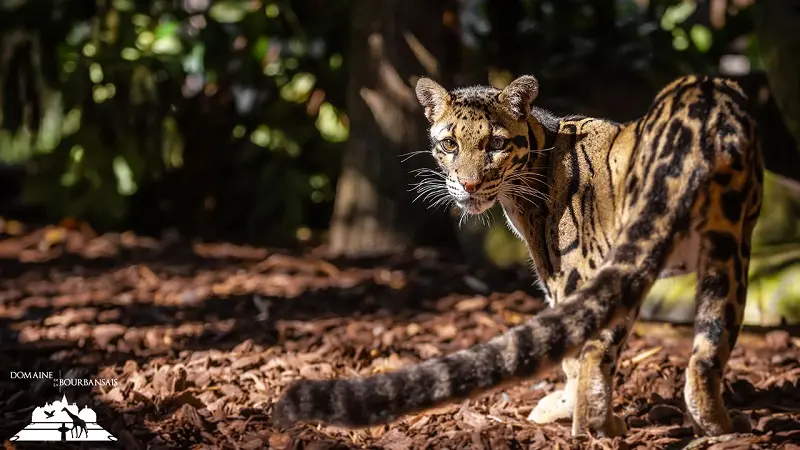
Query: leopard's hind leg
x=732, y=203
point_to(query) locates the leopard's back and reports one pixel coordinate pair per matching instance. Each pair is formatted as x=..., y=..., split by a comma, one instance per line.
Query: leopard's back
x=600, y=168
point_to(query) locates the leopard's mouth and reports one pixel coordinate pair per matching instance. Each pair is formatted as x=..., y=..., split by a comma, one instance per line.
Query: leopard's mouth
x=475, y=204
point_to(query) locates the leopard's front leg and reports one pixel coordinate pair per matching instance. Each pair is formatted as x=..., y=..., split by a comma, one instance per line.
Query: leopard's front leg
x=560, y=404
x=586, y=397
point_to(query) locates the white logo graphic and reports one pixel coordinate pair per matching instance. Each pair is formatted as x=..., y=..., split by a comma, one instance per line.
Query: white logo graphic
x=62, y=421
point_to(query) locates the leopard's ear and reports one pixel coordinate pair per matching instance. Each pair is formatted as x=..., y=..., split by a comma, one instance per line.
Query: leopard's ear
x=519, y=95
x=433, y=98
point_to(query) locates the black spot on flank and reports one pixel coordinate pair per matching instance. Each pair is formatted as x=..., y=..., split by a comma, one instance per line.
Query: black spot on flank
x=732, y=92
x=677, y=101
x=572, y=282
x=726, y=129
x=715, y=285
x=732, y=204
x=681, y=137
x=735, y=152
x=633, y=183
x=698, y=110
x=722, y=245
x=520, y=141
x=723, y=179
x=592, y=265
x=658, y=190
x=640, y=230
x=556, y=334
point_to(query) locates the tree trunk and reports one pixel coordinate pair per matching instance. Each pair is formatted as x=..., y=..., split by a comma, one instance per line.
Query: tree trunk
x=391, y=42
x=779, y=44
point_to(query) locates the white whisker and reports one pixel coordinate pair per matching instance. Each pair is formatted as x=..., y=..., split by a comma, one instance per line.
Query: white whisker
x=406, y=156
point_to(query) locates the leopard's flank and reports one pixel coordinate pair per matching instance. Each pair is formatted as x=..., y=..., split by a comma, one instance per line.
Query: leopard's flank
x=605, y=209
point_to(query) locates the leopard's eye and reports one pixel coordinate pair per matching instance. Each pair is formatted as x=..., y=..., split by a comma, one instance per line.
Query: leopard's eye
x=449, y=145
x=497, y=143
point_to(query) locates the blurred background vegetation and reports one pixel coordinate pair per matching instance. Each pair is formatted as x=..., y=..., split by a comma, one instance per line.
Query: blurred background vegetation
x=294, y=122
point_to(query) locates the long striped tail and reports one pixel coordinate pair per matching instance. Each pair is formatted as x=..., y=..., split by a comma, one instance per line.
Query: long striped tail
x=520, y=353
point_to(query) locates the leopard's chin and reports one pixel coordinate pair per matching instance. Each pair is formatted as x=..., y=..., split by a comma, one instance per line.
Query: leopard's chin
x=475, y=206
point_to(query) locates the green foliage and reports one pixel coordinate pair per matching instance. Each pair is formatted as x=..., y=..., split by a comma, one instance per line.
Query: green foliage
x=228, y=119
x=148, y=112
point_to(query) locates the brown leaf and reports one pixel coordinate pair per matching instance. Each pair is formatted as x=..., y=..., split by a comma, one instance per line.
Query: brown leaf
x=189, y=416
x=230, y=390
x=115, y=395
x=447, y=331
x=251, y=444
x=395, y=439
x=246, y=362
x=104, y=334
x=472, y=304
x=472, y=418
x=280, y=441
x=179, y=382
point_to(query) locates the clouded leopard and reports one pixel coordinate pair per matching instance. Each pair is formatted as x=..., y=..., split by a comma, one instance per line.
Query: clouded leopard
x=605, y=209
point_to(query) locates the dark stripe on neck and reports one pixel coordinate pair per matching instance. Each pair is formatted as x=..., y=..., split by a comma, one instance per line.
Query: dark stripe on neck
x=549, y=123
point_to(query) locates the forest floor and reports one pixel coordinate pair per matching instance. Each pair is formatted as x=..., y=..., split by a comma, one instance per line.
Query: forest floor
x=203, y=338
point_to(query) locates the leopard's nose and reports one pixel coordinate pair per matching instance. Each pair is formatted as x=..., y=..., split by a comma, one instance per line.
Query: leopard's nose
x=470, y=184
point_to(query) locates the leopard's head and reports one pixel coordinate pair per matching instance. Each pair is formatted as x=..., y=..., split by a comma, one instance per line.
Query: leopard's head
x=480, y=138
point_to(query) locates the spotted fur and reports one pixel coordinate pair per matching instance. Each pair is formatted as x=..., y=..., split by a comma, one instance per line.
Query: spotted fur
x=605, y=209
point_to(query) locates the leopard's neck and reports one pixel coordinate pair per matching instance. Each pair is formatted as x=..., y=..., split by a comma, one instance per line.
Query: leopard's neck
x=565, y=228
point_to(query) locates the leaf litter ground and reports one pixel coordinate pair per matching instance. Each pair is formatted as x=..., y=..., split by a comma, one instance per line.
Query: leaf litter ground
x=203, y=338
